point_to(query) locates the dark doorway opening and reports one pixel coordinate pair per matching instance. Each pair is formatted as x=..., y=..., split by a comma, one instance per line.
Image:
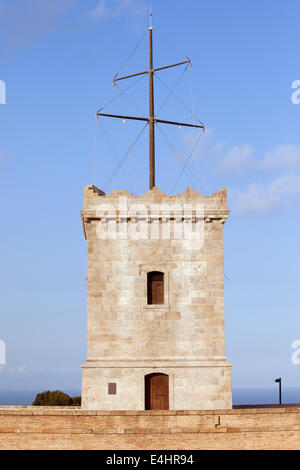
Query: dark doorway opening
x=155, y=288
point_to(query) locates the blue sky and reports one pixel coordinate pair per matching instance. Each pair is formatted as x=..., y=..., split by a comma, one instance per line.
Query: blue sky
x=58, y=58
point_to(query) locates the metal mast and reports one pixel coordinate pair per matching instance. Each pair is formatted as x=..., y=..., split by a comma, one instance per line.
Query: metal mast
x=151, y=115
x=151, y=118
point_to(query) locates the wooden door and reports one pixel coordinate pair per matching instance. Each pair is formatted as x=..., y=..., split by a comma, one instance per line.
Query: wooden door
x=157, y=392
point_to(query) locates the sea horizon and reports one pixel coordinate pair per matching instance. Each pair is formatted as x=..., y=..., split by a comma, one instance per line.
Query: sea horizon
x=240, y=396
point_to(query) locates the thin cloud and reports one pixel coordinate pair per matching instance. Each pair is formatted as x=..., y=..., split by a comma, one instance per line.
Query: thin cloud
x=23, y=21
x=241, y=159
x=280, y=193
x=206, y=148
x=281, y=157
x=236, y=159
x=114, y=8
x=275, y=184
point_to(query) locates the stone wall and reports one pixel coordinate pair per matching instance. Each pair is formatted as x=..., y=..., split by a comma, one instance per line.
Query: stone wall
x=203, y=385
x=65, y=428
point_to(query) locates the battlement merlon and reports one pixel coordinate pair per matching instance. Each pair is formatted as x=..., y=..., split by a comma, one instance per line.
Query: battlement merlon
x=120, y=204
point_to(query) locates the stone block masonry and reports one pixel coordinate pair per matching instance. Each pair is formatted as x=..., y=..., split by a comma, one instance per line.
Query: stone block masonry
x=27, y=428
x=182, y=336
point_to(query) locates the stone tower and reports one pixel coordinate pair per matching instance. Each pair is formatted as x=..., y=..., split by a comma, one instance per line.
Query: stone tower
x=155, y=336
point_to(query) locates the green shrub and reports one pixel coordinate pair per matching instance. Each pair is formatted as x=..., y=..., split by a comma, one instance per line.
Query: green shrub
x=76, y=401
x=55, y=398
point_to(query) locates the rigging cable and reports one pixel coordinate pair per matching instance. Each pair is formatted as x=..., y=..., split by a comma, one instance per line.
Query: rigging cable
x=95, y=152
x=116, y=170
x=205, y=183
x=129, y=144
x=187, y=161
x=180, y=160
x=170, y=90
x=191, y=111
x=202, y=184
x=115, y=154
x=181, y=53
x=130, y=55
x=179, y=100
x=122, y=92
x=130, y=99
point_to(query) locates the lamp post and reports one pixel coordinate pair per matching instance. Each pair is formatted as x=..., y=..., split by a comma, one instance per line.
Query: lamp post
x=279, y=382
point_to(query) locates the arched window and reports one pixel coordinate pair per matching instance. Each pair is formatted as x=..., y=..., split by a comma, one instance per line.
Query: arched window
x=155, y=288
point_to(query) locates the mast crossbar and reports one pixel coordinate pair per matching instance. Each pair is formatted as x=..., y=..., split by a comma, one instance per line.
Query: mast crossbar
x=137, y=118
x=172, y=65
x=130, y=76
x=178, y=123
x=154, y=70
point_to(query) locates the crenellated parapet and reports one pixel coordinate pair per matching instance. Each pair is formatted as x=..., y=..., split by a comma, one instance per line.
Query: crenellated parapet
x=122, y=206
